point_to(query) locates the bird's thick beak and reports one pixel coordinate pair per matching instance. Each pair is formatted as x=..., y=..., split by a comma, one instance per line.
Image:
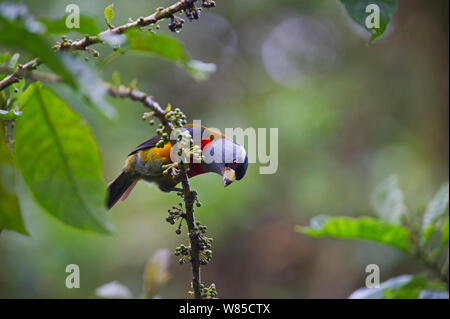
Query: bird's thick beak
x=229, y=176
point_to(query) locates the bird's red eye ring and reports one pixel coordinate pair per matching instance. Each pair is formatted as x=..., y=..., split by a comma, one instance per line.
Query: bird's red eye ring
x=235, y=163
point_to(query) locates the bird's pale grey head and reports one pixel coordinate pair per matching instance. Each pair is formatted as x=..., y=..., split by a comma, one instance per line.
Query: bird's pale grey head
x=226, y=158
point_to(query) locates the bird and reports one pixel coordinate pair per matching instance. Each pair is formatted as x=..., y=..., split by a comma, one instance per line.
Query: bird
x=147, y=162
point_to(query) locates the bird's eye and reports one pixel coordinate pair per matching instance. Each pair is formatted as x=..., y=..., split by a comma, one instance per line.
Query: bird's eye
x=235, y=163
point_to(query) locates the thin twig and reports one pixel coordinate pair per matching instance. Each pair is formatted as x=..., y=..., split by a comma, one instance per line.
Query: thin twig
x=188, y=194
x=35, y=75
x=20, y=72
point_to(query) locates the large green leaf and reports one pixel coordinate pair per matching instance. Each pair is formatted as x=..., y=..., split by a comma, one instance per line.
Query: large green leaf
x=88, y=25
x=10, y=216
x=358, y=228
x=169, y=48
x=60, y=162
x=387, y=200
x=357, y=11
x=434, y=213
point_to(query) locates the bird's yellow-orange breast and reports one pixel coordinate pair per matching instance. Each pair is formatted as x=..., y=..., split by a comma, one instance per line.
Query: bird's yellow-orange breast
x=156, y=153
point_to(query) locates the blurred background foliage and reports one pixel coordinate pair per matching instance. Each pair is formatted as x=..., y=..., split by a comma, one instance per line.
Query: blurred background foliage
x=349, y=115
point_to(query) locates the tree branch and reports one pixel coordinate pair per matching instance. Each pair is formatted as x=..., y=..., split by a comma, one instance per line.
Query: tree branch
x=189, y=198
x=160, y=14
x=19, y=73
x=147, y=100
x=189, y=195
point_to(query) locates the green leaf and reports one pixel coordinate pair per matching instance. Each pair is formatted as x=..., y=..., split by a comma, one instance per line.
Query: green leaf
x=116, y=78
x=88, y=25
x=387, y=201
x=437, y=206
x=159, y=44
x=434, y=212
x=358, y=228
x=169, y=48
x=59, y=160
x=10, y=215
x=109, y=14
x=356, y=9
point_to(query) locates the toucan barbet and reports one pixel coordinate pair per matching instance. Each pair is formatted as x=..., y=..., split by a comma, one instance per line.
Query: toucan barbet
x=221, y=155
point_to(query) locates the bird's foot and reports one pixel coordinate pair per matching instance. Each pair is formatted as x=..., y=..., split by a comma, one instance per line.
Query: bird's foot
x=170, y=168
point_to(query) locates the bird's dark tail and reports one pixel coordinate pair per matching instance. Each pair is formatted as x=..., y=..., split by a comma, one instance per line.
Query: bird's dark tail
x=120, y=187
